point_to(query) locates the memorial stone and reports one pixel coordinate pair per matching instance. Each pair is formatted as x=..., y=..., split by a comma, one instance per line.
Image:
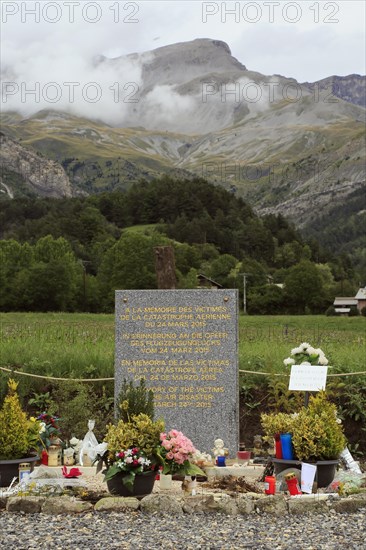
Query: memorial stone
x=185, y=344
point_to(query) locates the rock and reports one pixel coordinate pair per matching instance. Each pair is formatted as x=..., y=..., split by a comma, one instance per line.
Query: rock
x=29, y=505
x=245, y=504
x=115, y=504
x=199, y=504
x=41, y=175
x=163, y=504
x=349, y=505
x=210, y=503
x=3, y=501
x=65, y=505
x=227, y=504
x=275, y=505
x=299, y=506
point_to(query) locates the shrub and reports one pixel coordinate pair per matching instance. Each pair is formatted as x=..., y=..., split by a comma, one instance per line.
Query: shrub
x=353, y=311
x=139, y=432
x=316, y=434
x=135, y=400
x=14, y=426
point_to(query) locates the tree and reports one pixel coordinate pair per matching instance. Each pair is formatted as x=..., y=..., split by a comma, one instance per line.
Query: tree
x=303, y=287
x=265, y=300
x=220, y=269
x=16, y=260
x=129, y=264
x=51, y=281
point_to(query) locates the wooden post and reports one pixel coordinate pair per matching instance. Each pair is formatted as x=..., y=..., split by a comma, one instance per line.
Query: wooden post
x=165, y=267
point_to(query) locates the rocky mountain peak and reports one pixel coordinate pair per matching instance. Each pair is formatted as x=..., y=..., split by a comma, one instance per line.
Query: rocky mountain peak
x=184, y=61
x=43, y=176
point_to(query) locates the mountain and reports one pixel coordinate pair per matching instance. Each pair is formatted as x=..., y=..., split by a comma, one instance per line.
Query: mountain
x=351, y=88
x=286, y=147
x=27, y=171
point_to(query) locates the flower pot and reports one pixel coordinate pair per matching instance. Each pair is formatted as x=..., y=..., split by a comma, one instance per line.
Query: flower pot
x=165, y=481
x=243, y=457
x=325, y=469
x=10, y=468
x=143, y=485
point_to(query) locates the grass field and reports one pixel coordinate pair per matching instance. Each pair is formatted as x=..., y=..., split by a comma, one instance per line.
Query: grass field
x=82, y=345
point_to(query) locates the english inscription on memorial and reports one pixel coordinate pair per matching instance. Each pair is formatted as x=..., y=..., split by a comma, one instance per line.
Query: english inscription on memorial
x=184, y=343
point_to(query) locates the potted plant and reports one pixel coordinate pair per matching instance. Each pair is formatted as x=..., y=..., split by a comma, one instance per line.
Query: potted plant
x=178, y=455
x=317, y=436
x=18, y=436
x=132, y=456
x=315, y=431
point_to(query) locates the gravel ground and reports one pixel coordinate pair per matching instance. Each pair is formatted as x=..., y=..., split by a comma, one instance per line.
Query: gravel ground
x=135, y=531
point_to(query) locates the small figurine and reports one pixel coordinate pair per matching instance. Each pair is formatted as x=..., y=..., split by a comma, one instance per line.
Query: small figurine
x=257, y=446
x=219, y=449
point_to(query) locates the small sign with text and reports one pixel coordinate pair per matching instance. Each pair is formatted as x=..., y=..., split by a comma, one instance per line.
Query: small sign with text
x=308, y=378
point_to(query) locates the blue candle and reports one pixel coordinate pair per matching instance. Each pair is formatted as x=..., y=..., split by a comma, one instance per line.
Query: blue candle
x=220, y=461
x=286, y=444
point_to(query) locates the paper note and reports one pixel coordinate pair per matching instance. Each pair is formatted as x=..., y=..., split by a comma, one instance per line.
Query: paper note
x=308, y=377
x=308, y=472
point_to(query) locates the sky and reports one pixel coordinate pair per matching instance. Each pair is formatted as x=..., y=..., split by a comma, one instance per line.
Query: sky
x=56, y=41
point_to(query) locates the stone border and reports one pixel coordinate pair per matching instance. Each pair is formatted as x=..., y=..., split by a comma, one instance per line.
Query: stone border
x=164, y=503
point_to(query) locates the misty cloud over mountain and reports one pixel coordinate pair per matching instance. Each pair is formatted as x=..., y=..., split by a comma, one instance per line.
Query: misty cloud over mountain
x=193, y=87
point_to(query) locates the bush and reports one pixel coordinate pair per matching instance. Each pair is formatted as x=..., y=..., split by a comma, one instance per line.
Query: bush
x=76, y=403
x=135, y=400
x=331, y=312
x=316, y=434
x=363, y=311
x=353, y=311
x=14, y=426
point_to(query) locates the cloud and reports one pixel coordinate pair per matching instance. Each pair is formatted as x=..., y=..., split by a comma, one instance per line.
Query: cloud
x=60, y=61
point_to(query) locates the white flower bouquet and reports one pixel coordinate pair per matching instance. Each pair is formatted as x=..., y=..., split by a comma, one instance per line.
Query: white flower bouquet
x=305, y=353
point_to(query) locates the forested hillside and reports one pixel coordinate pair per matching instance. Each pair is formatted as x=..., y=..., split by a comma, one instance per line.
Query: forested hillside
x=72, y=253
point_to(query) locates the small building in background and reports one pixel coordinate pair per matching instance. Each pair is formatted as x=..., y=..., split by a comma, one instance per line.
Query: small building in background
x=361, y=298
x=206, y=282
x=343, y=304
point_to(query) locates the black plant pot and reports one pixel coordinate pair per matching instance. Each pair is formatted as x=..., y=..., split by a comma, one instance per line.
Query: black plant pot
x=143, y=485
x=325, y=469
x=10, y=468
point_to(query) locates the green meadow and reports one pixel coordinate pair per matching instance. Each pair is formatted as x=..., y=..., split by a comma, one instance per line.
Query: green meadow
x=82, y=345
x=75, y=346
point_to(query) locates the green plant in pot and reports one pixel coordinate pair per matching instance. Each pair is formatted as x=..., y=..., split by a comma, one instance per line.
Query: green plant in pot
x=132, y=456
x=317, y=433
x=18, y=436
x=276, y=423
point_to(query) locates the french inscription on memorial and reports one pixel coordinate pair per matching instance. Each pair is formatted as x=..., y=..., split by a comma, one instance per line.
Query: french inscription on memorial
x=184, y=343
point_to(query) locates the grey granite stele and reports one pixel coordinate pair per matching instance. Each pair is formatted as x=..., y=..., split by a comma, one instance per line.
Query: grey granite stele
x=185, y=344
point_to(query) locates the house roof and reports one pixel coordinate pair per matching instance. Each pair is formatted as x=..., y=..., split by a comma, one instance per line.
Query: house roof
x=344, y=301
x=361, y=294
x=202, y=277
